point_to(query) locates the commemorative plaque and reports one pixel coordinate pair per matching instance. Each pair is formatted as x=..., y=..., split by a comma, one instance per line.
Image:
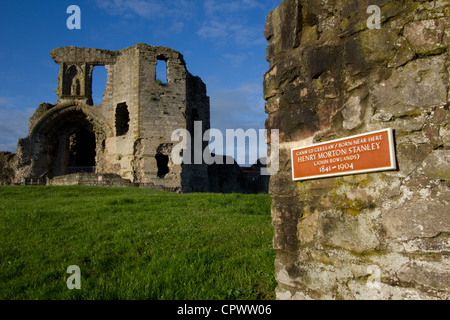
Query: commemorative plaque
x=369, y=152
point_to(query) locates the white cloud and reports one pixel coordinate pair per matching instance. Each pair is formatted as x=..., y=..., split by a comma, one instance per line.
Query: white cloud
x=177, y=26
x=171, y=14
x=222, y=21
x=228, y=22
x=235, y=60
x=249, y=36
x=147, y=9
x=221, y=6
x=223, y=32
x=6, y=102
x=236, y=108
x=239, y=108
x=13, y=123
x=129, y=8
x=214, y=30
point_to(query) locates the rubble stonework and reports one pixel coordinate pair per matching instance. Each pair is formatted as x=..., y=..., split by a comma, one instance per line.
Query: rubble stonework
x=379, y=235
x=129, y=133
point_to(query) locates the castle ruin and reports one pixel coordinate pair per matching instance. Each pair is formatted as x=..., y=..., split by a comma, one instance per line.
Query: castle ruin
x=129, y=133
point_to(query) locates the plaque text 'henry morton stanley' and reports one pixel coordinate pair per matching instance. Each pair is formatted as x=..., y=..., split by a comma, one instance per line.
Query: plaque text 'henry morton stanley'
x=368, y=152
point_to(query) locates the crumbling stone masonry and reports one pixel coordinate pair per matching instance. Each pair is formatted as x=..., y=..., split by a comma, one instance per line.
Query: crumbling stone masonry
x=371, y=236
x=6, y=168
x=129, y=134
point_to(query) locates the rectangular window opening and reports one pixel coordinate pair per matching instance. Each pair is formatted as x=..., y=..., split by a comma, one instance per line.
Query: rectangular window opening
x=122, y=119
x=99, y=79
x=161, y=71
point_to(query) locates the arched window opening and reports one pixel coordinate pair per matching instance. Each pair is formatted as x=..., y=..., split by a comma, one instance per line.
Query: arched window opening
x=70, y=81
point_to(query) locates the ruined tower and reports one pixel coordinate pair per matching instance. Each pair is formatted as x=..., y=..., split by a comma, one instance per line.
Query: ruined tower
x=129, y=132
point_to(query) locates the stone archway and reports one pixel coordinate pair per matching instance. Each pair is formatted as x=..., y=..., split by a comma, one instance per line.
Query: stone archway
x=69, y=144
x=68, y=139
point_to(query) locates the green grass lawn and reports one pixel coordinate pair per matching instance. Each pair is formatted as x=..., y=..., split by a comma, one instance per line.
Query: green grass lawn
x=134, y=244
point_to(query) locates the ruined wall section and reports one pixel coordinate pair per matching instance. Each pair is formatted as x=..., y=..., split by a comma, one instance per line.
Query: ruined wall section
x=165, y=106
x=140, y=111
x=369, y=236
x=85, y=60
x=120, y=107
x=7, y=172
x=196, y=177
x=130, y=132
x=163, y=110
x=76, y=66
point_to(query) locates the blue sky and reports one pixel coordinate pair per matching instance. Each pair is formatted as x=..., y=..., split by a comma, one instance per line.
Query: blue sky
x=222, y=42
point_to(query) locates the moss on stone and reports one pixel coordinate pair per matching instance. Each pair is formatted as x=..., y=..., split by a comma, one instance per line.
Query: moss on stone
x=309, y=35
x=341, y=200
x=410, y=113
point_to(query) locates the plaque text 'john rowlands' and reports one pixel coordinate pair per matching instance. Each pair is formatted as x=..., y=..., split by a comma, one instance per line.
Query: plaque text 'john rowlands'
x=363, y=153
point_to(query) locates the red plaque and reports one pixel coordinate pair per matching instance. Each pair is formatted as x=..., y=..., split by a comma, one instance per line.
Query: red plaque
x=363, y=153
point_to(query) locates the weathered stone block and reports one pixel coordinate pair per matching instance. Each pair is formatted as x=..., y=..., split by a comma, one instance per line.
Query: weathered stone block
x=285, y=214
x=429, y=275
x=437, y=165
x=420, y=83
x=415, y=216
x=362, y=236
x=428, y=36
x=320, y=59
x=279, y=25
x=353, y=233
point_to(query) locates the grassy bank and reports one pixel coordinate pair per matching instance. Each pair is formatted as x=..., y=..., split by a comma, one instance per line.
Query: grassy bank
x=134, y=244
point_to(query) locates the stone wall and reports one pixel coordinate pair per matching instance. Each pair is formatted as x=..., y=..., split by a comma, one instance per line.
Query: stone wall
x=370, y=236
x=130, y=131
x=90, y=179
x=7, y=173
